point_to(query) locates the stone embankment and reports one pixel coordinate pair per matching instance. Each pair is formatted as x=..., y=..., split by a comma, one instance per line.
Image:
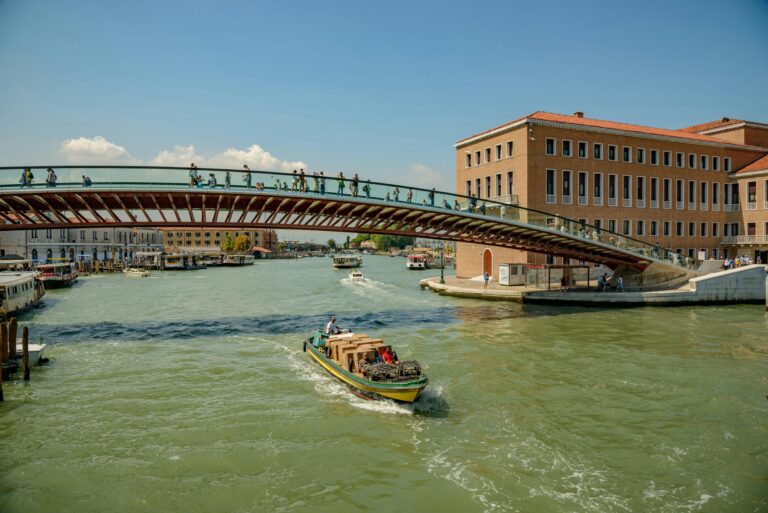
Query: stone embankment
x=743, y=285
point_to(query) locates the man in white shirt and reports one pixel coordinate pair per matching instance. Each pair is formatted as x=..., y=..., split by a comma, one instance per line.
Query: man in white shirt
x=331, y=328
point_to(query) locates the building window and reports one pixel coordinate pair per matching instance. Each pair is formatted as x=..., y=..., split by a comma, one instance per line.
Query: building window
x=654, y=229
x=498, y=152
x=550, y=146
x=692, y=160
x=582, y=150
x=467, y=191
x=667, y=193
x=566, y=187
x=598, y=189
x=106, y=235
x=551, y=185
x=34, y=255
x=691, y=194
x=691, y=229
x=626, y=228
x=667, y=158
x=654, y=157
x=703, y=196
x=727, y=164
x=654, y=192
x=95, y=235
x=715, y=194
x=82, y=234
x=498, y=184
x=715, y=229
x=487, y=186
x=679, y=228
x=612, y=199
x=582, y=188
x=597, y=151
x=640, y=229
x=627, y=154
x=33, y=234
x=666, y=226
x=679, y=159
x=626, y=191
x=477, y=187
x=487, y=155
x=566, y=148
x=640, y=156
x=612, y=225
x=715, y=163
x=679, y=197
x=703, y=230
x=477, y=158
x=612, y=152
x=510, y=183
x=640, y=190
x=510, y=147
x=703, y=164
x=468, y=162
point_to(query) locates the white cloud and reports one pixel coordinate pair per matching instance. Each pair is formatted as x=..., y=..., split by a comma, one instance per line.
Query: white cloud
x=180, y=156
x=256, y=157
x=95, y=150
x=426, y=177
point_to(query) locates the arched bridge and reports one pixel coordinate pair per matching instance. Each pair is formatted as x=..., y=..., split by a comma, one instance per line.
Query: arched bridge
x=131, y=196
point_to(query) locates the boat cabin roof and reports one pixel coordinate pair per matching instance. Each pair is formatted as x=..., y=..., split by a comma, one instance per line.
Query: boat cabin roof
x=54, y=265
x=8, y=279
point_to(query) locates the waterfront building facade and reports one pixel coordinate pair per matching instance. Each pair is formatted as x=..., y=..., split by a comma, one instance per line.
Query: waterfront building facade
x=192, y=239
x=102, y=244
x=700, y=190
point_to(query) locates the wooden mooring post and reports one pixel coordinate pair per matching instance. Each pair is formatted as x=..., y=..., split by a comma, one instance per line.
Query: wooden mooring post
x=25, y=350
x=4, y=351
x=13, y=327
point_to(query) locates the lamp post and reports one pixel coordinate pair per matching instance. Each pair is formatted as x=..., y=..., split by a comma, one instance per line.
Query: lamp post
x=442, y=263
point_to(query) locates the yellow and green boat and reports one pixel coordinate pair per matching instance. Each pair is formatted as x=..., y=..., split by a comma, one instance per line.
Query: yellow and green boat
x=367, y=366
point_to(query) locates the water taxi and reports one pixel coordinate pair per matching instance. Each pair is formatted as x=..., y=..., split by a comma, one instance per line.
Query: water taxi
x=57, y=275
x=134, y=272
x=367, y=366
x=416, y=262
x=19, y=291
x=356, y=276
x=235, y=260
x=347, y=261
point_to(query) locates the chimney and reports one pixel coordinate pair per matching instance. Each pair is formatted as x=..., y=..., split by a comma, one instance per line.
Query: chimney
x=578, y=114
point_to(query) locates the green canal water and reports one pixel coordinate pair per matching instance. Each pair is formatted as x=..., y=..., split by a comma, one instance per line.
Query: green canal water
x=189, y=392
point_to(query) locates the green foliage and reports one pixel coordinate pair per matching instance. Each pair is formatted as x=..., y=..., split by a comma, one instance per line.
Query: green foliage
x=384, y=242
x=331, y=244
x=242, y=244
x=228, y=245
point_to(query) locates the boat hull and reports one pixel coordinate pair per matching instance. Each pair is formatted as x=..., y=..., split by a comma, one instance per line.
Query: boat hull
x=57, y=283
x=405, y=392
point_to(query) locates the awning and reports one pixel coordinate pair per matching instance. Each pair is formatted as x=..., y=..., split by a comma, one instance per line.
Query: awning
x=260, y=249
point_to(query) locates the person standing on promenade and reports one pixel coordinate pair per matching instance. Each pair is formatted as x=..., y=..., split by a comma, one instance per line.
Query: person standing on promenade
x=247, y=176
x=620, y=284
x=340, y=181
x=486, y=278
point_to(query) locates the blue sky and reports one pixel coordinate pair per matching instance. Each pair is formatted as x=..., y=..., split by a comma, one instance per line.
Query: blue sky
x=379, y=88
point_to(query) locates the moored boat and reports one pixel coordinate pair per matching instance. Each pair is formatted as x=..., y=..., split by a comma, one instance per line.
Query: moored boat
x=19, y=291
x=135, y=273
x=238, y=260
x=416, y=262
x=367, y=366
x=356, y=276
x=57, y=274
x=347, y=261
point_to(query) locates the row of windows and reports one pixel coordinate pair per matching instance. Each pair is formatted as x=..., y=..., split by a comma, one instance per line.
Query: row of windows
x=638, y=155
x=497, y=154
x=129, y=237
x=701, y=194
x=643, y=228
x=197, y=234
x=493, y=186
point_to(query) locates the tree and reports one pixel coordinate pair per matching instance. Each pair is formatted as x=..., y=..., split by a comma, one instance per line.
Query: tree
x=384, y=242
x=242, y=244
x=228, y=245
x=331, y=244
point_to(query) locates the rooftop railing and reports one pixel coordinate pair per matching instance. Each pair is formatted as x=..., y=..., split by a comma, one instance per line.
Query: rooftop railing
x=322, y=186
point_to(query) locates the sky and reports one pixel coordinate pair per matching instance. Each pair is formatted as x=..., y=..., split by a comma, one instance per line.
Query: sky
x=380, y=88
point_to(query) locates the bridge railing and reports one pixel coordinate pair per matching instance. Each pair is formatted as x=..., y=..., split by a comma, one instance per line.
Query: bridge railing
x=322, y=186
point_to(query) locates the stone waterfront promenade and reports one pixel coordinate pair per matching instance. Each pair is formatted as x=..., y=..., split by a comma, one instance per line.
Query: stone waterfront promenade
x=743, y=285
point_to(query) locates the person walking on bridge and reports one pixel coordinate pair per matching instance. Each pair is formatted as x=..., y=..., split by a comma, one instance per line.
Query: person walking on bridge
x=340, y=180
x=354, y=185
x=247, y=176
x=322, y=183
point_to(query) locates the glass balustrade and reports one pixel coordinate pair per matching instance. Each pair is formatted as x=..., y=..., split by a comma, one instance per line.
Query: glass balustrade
x=310, y=186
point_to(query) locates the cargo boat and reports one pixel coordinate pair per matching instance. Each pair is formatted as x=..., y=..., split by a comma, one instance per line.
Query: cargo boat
x=352, y=359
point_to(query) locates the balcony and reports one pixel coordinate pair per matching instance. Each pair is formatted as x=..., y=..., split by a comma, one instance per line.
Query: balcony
x=703, y=206
x=567, y=200
x=640, y=203
x=667, y=205
x=692, y=206
x=740, y=240
x=732, y=207
x=752, y=206
x=716, y=207
x=598, y=202
x=680, y=205
x=583, y=200
x=626, y=203
x=654, y=203
x=551, y=198
x=612, y=202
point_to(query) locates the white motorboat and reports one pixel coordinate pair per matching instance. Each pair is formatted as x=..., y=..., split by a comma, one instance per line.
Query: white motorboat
x=35, y=353
x=135, y=273
x=356, y=276
x=416, y=262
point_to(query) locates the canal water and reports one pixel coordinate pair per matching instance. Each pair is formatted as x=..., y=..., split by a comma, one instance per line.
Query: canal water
x=189, y=392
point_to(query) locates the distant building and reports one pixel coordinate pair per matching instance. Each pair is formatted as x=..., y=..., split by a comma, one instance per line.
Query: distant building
x=700, y=190
x=41, y=245
x=189, y=239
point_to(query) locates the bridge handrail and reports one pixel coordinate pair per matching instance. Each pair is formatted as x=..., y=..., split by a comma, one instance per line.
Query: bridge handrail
x=479, y=207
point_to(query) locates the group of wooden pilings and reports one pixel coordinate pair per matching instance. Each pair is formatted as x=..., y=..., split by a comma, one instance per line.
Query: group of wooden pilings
x=100, y=266
x=8, y=350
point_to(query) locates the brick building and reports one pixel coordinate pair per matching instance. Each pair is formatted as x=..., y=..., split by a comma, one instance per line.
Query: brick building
x=700, y=190
x=209, y=238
